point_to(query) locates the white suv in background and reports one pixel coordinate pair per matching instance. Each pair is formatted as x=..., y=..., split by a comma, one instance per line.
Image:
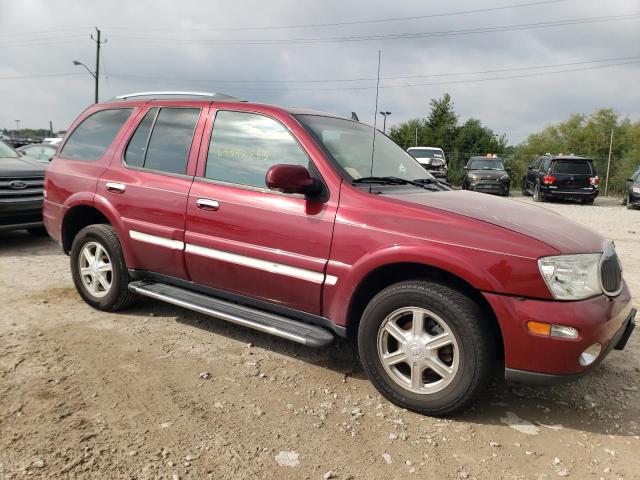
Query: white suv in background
x=432, y=159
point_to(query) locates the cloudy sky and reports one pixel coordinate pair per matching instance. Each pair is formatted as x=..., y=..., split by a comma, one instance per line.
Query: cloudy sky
x=540, y=60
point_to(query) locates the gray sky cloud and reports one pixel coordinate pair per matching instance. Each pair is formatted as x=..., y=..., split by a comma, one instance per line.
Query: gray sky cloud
x=158, y=45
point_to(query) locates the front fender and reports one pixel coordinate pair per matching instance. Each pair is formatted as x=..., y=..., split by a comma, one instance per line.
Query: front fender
x=484, y=270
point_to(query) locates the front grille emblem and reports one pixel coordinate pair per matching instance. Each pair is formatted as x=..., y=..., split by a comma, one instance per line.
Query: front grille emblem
x=18, y=185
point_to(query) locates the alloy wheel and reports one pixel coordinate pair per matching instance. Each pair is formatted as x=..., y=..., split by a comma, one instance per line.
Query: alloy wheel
x=96, y=269
x=418, y=350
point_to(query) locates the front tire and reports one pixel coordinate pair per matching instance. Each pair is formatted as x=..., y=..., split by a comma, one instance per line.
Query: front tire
x=98, y=268
x=426, y=347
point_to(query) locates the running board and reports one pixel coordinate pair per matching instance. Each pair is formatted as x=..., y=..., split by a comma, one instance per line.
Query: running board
x=277, y=325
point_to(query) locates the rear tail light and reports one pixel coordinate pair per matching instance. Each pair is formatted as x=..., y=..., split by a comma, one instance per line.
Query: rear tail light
x=548, y=179
x=594, y=181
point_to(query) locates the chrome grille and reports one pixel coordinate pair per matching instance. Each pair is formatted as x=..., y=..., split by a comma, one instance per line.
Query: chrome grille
x=21, y=189
x=610, y=270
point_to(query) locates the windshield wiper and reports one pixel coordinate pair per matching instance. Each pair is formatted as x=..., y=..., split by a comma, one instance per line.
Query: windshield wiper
x=389, y=181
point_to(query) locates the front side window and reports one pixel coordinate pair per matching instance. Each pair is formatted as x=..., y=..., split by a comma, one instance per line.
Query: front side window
x=350, y=144
x=91, y=139
x=166, y=147
x=245, y=145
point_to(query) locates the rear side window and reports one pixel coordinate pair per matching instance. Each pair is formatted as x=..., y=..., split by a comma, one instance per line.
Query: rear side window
x=572, y=167
x=245, y=145
x=91, y=139
x=163, y=139
x=546, y=163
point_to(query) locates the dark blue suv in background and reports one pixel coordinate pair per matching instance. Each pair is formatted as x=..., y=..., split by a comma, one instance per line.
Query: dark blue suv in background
x=632, y=198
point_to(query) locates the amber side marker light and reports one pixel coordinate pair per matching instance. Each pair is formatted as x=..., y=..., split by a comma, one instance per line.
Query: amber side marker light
x=550, y=330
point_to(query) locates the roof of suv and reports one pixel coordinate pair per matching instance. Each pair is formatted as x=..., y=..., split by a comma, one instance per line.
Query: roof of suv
x=568, y=157
x=206, y=98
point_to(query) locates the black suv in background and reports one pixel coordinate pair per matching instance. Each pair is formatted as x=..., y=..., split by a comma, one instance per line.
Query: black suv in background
x=486, y=174
x=632, y=198
x=21, y=192
x=565, y=177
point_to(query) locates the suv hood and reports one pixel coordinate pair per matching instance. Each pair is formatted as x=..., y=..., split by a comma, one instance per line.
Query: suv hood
x=535, y=222
x=21, y=167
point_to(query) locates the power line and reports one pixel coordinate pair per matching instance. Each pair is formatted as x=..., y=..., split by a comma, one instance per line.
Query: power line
x=453, y=82
x=42, y=75
x=40, y=32
x=344, y=23
x=406, y=77
x=445, y=33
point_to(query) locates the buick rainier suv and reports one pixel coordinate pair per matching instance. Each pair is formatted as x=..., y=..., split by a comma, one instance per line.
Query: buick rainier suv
x=299, y=224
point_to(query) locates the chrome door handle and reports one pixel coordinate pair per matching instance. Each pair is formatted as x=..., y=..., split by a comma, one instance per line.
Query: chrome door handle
x=115, y=187
x=207, y=204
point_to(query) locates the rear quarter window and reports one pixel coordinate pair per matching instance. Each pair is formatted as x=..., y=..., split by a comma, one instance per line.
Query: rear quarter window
x=575, y=167
x=91, y=139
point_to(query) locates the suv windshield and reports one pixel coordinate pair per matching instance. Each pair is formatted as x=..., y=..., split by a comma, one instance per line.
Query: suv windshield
x=425, y=153
x=350, y=143
x=484, y=164
x=6, y=151
x=576, y=167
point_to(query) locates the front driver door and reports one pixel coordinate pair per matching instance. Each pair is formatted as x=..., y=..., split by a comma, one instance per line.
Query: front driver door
x=245, y=239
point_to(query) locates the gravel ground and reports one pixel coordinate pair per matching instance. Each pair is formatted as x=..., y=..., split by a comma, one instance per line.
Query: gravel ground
x=160, y=392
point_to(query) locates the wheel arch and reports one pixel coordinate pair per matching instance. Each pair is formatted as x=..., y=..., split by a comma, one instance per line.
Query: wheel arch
x=83, y=214
x=385, y=275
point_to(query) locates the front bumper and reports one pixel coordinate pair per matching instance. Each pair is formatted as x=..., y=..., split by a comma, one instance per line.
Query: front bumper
x=490, y=186
x=634, y=199
x=19, y=214
x=538, y=359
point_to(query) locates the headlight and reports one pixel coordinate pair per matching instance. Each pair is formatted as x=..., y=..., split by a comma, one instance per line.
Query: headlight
x=471, y=176
x=572, y=277
x=636, y=189
x=504, y=178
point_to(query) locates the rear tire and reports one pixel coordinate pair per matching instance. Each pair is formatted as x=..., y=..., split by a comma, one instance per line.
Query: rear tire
x=629, y=204
x=525, y=192
x=406, y=378
x=538, y=196
x=98, y=269
x=588, y=201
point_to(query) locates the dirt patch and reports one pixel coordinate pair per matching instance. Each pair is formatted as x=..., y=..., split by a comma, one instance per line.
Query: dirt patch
x=157, y=391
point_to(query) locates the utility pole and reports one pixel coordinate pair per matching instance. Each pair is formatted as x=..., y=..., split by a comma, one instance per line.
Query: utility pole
x=51, y=128
x=17, y=126
x=606, y=182
x=97, y=72
x=416, y=137
x=384, y=122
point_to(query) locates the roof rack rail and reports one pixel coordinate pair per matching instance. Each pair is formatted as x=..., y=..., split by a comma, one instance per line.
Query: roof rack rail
x=212, y=95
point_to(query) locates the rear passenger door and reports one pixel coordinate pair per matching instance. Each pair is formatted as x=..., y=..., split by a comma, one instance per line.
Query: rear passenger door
x=148, y=184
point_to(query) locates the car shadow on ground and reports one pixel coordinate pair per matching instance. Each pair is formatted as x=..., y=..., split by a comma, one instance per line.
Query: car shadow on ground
x=340, y=356
x=20, y=242
x=535, y=409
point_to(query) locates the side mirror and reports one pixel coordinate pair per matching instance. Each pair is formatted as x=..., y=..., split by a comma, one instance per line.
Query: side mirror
x=530, y=167
x=292, y=179
x=465, y=168
x=630, y=180
x=49, y=159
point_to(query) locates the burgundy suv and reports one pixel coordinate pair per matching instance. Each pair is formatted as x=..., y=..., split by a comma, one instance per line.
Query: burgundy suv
x=284, y=221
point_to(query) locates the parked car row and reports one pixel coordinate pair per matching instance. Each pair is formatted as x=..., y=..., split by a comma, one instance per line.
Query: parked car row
x=285, y=221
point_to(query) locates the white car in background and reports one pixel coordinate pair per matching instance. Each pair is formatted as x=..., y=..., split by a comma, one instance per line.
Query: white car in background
x=432, y=159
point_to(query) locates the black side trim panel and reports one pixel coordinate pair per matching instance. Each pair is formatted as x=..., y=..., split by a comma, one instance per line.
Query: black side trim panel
x=304, y=317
